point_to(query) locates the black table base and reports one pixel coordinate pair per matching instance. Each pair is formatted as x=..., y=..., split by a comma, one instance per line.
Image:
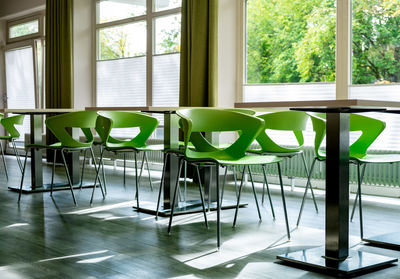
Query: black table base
x=46, y=187
x=389, y=240
x=188, y=207
x=357, y=263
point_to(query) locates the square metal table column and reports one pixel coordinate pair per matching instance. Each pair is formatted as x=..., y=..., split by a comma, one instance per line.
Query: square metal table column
x=336, y=257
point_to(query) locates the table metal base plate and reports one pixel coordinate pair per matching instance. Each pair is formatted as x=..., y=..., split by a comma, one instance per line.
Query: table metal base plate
x=187, y=207
x=46, y=187
x=389, y=240
x=358, y=262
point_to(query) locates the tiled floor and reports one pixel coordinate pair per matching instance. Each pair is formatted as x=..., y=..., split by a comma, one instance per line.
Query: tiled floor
x=51, y=238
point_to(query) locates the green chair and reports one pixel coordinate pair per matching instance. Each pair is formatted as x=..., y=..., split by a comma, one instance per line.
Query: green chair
x=59, y=125
x=9, y=124
x=108, y=120
x=292, y=121
x=370, y=129
x=199, y=120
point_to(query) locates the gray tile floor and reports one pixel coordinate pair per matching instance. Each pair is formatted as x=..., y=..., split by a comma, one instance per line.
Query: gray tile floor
x=46, y=237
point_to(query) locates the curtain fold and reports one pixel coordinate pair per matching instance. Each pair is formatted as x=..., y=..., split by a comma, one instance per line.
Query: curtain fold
x=59, y=54
x=199, y=59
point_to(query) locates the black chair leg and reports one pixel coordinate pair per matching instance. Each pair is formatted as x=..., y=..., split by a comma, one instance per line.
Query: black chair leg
x=254, y=192
x=305, y=192
x=202, y=197
x=4, y=159
x=284, y=201
x=268, y=192
x=161, y=184
x=68, y=176
x=53, y=171
x=22, y=178
x=311, y=188
x=97, y=176
x=218, y=208
x=175, y=195
x=83, y=167
x=238, y=199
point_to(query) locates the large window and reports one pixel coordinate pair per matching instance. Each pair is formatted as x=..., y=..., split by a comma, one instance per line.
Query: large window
x=290, y=53
x=138, y=44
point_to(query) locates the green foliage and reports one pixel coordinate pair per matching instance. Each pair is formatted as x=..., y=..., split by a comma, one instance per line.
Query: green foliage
x=294, y=41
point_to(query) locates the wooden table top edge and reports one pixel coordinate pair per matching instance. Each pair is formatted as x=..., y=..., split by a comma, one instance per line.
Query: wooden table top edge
x=319, y=103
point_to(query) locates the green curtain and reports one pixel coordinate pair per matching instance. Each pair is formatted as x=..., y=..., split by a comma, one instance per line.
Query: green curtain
x=59, y=55
x=199, y=59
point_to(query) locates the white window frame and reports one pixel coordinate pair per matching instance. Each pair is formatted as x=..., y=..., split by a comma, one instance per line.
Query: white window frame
x=37, y=16
x=149, y=18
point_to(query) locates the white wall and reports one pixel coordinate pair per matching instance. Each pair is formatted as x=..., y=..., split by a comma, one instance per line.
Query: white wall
x=83, y=51
x=227, y=49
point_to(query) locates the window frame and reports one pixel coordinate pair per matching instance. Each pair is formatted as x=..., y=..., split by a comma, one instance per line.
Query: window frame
x=14, y=22
x=149, y=19
x=343, y=51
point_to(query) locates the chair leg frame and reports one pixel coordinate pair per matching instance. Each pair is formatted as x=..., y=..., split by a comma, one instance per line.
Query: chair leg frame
x=311, y=188
x=175, y=195
x=265, y=183
x=254, y=192
x=4, y=159
x=284, y=201
x=238, y=199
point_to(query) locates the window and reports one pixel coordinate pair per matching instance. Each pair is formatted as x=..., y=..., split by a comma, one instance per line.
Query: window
x=24, y=64
x=290, y=50
x=138, y=44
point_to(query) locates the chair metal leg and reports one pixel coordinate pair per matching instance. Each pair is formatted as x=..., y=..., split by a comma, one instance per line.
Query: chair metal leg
x=161, y=184
x=97, y=176
x=263, y=192
x=305, y=192
x=148, y=171
x=68, y=176
x=311, y=188
x=268, y=192
x=284, y=201
x=234, y=178
x=102, y=169
x=83, y=167
x=97, y=169
x=238, y=199
x=125, y=167
x=4, y=159
x=223, y=184
x=357, y=194
x=16, y=154
x=218, y=208
x=184, y=180
x=53, y=171
x=202, y=197
x=254, y=192
x=359, y=199
x=22, y=178
x=136, y=180
x=175, y=195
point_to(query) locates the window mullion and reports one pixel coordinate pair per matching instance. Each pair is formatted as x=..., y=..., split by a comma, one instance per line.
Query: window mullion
x=343, y=48
x=149, y=53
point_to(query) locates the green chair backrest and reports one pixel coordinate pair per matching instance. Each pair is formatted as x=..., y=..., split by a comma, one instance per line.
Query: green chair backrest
x=295, y=121
x=59, y=125
x=10, y=122
x=108, y=120
x=369, y=127
x=199, y=120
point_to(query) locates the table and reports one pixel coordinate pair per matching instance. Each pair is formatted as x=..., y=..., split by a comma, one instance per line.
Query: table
x=171, y=140
x=36, y=131
x=335, y=257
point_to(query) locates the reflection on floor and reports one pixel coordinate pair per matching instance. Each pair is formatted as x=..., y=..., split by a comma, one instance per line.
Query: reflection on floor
x=50, y=238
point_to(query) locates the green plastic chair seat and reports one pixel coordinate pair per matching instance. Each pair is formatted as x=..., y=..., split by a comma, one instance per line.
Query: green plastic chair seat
x=6, y=137
x=279, y=154
x=56, y=145
x=224, y=159
x=378, y=158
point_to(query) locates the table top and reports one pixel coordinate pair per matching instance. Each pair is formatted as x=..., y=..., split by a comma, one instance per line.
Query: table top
x=38, y=111
x=149, y=109
x=348, y=103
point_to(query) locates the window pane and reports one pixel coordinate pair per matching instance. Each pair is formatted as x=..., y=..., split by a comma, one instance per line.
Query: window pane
x=290, y=41
x=20, y=82
x=111, y=10
x=121, y=82
x=376, y=41
x=122, y=41
x=24, y=29
x=166, y=80
x=168, y=34
x=161, y=5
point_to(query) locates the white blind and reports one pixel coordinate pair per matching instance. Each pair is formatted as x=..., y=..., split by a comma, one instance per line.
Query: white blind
x=166, y=80
x=20, y=82
x=121, y=82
